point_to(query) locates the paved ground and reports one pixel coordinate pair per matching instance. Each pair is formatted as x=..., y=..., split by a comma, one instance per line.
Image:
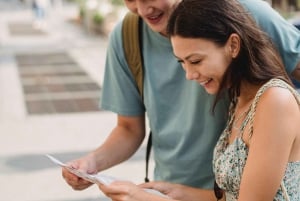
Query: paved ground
x=50, y=82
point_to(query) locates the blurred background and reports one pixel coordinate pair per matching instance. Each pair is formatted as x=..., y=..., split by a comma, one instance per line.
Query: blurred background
x=52, y=55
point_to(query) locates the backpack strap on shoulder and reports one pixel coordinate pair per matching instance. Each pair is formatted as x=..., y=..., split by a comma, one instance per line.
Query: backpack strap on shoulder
x=131, y=43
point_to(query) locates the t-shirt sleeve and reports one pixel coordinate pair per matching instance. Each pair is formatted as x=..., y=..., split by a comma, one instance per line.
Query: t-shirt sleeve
x=119, y=91
x=283, y=34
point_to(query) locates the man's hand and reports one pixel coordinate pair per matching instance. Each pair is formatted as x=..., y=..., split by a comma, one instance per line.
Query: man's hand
x=85, y=164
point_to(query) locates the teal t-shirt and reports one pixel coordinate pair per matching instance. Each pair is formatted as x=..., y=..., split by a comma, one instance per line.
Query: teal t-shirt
x=285, y=36
x=179, y=111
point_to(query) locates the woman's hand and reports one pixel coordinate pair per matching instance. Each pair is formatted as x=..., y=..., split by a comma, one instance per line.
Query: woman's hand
x=172, y=190
x=181, y=192
x=128, y=191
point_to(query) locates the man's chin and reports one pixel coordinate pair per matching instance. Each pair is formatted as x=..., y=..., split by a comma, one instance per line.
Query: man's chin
x=157, y=28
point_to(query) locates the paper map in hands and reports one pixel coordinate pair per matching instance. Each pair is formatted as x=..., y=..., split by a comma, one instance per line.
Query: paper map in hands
x=96, y=178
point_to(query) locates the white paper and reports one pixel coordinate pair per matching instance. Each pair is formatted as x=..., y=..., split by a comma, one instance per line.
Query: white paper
x=95, y=178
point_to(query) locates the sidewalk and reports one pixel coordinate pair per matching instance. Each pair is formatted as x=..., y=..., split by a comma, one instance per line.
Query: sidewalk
x=49, y=82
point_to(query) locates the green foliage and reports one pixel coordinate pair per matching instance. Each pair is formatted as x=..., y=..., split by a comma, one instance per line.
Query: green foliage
x=81, y=11
x=117, y=2
x=98, y=18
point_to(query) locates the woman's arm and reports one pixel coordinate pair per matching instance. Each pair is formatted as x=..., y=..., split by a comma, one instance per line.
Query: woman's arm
x=274, y=132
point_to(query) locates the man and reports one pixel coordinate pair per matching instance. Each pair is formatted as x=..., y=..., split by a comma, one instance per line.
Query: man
x=184, y=129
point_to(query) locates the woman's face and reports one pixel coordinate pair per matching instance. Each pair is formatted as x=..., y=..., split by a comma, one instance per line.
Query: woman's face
x=155, y=13
x=203, y=60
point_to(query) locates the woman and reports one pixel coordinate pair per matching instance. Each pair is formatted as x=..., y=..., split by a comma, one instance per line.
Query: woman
x=258, y=155
x=221, y=48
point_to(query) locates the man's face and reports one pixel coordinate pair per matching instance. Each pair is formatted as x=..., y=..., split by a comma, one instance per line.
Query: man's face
x=155, y=13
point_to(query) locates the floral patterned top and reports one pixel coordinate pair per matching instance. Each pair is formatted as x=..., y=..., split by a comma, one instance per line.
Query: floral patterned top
x=230, y=159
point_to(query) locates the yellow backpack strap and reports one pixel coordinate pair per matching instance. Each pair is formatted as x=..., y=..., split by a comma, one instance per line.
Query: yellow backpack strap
x=131, y=44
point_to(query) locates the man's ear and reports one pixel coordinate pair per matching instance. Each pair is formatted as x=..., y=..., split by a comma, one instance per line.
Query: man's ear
x=234, y=44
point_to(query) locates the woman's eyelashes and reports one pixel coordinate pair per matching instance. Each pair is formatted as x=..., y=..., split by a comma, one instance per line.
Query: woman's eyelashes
x=194, y=62
x=180, y=61
x=190, y=62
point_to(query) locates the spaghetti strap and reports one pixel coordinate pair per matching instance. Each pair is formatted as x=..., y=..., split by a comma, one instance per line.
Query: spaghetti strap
x=276, y=82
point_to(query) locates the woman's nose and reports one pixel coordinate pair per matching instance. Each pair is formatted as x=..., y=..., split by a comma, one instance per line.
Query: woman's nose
x=192, y=75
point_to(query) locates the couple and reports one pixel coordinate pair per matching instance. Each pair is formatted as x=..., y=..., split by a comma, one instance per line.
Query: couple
x=219, y=47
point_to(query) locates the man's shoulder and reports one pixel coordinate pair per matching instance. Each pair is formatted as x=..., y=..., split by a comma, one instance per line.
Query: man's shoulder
x=257, y=7
x=266, y=17
x=116, y=33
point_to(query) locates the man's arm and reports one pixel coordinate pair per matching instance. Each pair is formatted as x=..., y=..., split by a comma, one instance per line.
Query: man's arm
x=121, y=144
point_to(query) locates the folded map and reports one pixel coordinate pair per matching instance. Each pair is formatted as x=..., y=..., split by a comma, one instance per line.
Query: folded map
x=95, y=178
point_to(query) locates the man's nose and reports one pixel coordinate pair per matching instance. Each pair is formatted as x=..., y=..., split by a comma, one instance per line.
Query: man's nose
x=143, y=8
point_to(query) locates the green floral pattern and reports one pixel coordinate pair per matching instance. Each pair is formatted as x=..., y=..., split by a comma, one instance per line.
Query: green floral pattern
x=230, y=159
